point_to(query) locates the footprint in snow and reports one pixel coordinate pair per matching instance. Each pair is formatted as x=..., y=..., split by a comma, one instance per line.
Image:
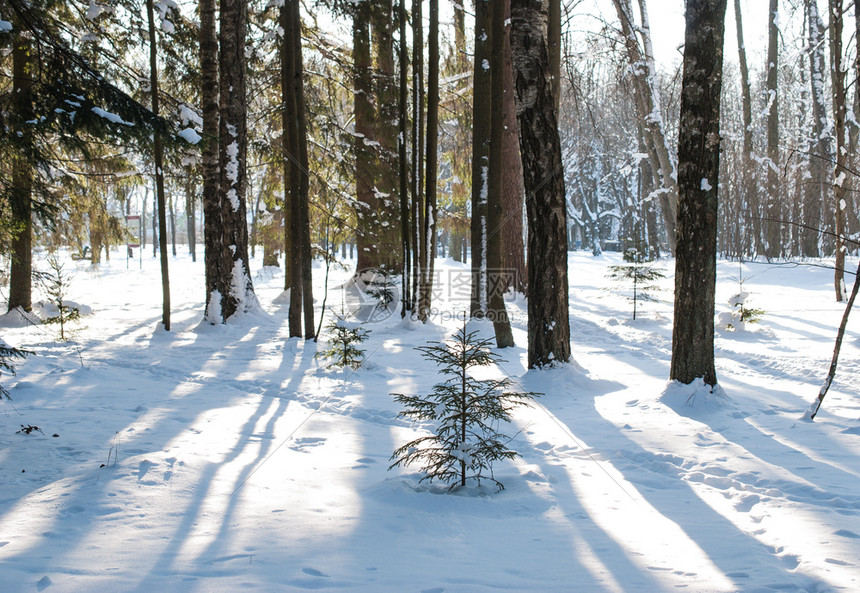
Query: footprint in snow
x=314, y=572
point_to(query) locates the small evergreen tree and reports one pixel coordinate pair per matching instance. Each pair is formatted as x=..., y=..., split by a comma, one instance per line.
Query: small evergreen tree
x=642, y=273
x=56, y=285
x=342, y=343
x=741, y=313
x=7, y=356
x=467, y=413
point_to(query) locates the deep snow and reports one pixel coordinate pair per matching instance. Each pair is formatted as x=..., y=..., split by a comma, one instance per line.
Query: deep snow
x=228, y=458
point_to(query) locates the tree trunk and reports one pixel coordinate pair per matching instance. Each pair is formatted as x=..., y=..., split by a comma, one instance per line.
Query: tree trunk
x=367, y=204
x=191, y=216
x=481, y=98
x=496, y=284
x=304, y=179
x=21, y=200
x=238, y=290
x=820, y=149
x=749, y=194
x=698, y=180
x=513, y=251
x=158, y=157
x=385, y=92
x=773, y=208
x=292, y=181
x=403, y=120
x=212, y=239
x=429, y=229
x=554, y=39
x=841, y=171
x=540, y=146
x=417, y=221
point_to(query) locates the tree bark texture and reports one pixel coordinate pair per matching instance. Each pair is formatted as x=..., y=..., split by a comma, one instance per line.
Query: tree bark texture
x=21, y=196
x=481, y=98
x=418, y=130
x=773, y=205
x=496, y=284
x=840, y=172
x=403, y=164
x=429, y=230
x=749, y=194
x=513, y=192
x=212, y=239
x=540, y=147
x=820, y=141
x=238, y=290
x=292, y=175
x=698, y=170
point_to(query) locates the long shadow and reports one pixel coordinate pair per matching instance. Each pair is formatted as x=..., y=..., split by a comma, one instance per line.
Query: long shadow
x=92, y=490
x=710, y=530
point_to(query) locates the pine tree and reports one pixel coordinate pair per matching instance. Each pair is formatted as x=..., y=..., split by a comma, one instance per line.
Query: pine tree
x=467, y=413
x=342, y=348
x=641, y=273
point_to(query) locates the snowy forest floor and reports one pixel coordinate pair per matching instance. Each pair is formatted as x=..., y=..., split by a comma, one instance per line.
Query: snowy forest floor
x=227, y=458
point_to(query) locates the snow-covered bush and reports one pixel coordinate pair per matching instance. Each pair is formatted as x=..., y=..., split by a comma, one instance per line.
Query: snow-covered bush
x=740, y=315
x=467, y=413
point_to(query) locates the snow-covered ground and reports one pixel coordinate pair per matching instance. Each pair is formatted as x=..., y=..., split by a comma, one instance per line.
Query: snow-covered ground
x=229, y=459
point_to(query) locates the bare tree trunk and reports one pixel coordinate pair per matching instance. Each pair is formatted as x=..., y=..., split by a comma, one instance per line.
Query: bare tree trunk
x=513, y=192
x=495, y=219
x=21, y=200
x=212, y=240
x=158, y=157
x=304, y=179
x=238, y=295
x=418, y=130
x=429, y=233
x=540, y=146
x=773, y=205
x=481, y=98
x=191, y=216
x=367, y=203
x=841, y=171
x=749, y=193
x=820, y=150
x=292, y=181
x=403, y=120
x=554, y=39
x=698, y=180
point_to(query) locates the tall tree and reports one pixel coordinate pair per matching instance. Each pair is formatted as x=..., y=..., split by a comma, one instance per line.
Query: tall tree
x=429, y=228
x=238, y=295
x=820, y=135
x=403, y=164
x=481, y=97
x=773, y=206
x=840, y=172
x=296, y=181
x=749, y=195
x=20, y=196
x=513, y=249
x=495, y=219
x=209, y=161
x=698, y=171
x=158, y=160
x=418, y=132
x=546, y=207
